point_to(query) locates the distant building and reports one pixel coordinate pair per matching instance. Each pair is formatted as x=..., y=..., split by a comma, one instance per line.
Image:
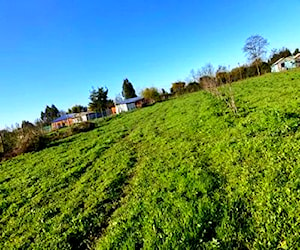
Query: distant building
x=297, y=60
x=69, y=119
x=86, y=116
x=129, y=104
x=287, y=63
x=63, y=121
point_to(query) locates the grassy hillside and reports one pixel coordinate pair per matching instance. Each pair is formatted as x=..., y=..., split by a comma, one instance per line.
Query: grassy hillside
x=186, y=173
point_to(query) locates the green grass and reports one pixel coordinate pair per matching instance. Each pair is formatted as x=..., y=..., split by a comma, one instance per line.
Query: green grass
x=183, y=174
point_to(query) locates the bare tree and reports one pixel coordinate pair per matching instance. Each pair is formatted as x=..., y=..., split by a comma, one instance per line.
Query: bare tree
x=208, y=70
x=216, y=86
x=193, y=75
x=255, y=48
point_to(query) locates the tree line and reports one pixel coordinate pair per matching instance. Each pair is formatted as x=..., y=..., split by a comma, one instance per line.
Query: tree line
x=255, y=49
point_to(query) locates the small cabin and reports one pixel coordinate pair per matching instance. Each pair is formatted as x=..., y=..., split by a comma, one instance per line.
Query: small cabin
x=286, y=63
x=129, y=104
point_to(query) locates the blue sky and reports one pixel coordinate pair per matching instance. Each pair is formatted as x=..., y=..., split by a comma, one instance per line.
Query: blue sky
x=54, y=52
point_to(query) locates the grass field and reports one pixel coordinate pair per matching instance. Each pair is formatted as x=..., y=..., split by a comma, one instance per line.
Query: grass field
x=183, y=174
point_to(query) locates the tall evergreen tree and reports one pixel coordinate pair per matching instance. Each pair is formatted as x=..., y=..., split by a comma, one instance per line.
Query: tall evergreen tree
x=50, y=114
x=98, y=99
x=77, y=109
x=128, y=90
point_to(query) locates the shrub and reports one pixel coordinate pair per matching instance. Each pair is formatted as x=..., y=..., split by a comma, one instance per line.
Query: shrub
x=151, y=95
x=82, y=127
x=32, y=142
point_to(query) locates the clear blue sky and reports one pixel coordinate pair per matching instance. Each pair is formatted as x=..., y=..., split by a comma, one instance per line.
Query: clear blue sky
x=53, y=51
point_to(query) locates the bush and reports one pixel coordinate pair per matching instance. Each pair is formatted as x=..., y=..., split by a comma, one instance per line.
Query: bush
x=32, y=142
x=192, y=87
x=82, y=127
x=26, y=140
x=151, y=95
x=29, y=142
x=9, y=140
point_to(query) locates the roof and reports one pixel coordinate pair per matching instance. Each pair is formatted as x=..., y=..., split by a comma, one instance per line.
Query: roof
x=64, y=117
x=297, y=55
x=289, y=58
x=85, y=113
x=130, y=100
x=279, y=60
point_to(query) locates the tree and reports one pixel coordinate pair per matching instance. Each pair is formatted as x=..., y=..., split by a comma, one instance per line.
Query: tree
x=265, y=68
x=77, y=109
x=207, y=70
x=277, y=54
x=128, y=90
x=9, y=140
x=222, y=75
x=194, y=75
x=27, y=125
x=208, y=82
x=98, y=99
x=151, y=94
x=49, y=114
x=296, y=52
x=110, y=103
x=255, y=48
x=193, y=87
x=177, y=87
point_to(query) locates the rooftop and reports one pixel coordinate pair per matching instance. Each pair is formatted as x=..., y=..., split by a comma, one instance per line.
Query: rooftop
x=64, y=117
x=130, y=100
x=297, y=56
x=279, y=60
x=289, y=58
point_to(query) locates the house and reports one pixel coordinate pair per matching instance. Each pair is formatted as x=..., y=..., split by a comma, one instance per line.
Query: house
x=86, y=116
x=297, y=60
x=287, y=63
x=63, y=121
x=129, y=104
x=69, y=119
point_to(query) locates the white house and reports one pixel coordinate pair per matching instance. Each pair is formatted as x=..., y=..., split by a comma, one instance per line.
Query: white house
x=86, y=116
x=286, y=63
x=129, y=104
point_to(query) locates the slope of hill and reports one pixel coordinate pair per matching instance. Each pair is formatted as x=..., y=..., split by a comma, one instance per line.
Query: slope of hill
x=186, y=173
